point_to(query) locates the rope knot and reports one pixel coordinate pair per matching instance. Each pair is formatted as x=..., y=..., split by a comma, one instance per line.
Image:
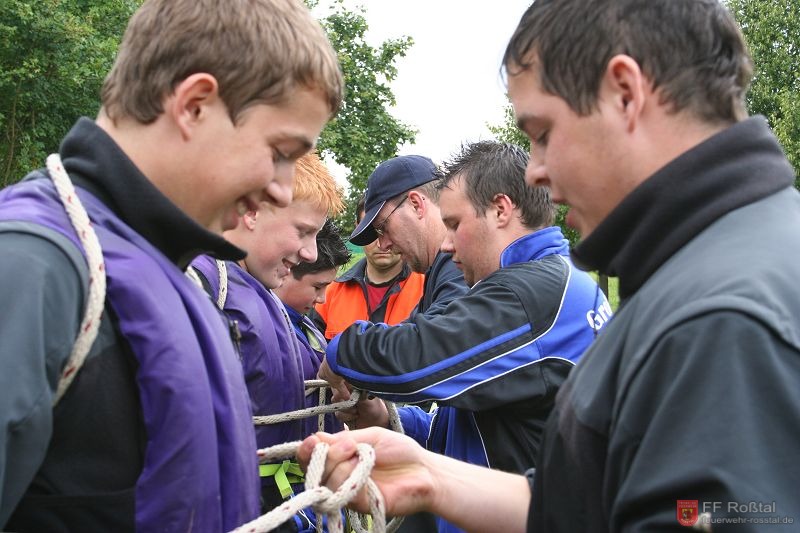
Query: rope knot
x=332, y=502
x=322, y=499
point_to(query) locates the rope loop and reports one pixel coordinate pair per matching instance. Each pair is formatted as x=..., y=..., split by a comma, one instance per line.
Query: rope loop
x=317, y=496
x=320, y=498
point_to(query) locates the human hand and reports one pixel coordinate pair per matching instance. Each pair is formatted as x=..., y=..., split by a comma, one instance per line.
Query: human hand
x=400, y=472
x=339, y=387
x=367, y=412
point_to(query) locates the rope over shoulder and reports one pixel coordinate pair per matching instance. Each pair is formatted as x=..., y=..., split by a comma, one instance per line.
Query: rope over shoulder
x=97, y=273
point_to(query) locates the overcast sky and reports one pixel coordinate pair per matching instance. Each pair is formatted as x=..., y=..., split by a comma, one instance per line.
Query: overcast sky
x=448, y=86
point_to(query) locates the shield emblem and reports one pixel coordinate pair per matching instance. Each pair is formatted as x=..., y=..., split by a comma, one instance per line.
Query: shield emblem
x=687, y=512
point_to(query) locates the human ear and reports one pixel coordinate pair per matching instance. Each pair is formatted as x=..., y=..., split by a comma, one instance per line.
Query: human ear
x=503, y=209
x=189, y=104
x=417, y=201
x=249, y=220
x=626, y=88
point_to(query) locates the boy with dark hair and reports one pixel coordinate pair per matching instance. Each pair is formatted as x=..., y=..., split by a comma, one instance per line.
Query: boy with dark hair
x=154, y=432
x=299, y=292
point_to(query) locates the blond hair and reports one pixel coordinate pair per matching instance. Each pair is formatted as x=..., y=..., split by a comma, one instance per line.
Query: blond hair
x=258, y=50
x=315, y=184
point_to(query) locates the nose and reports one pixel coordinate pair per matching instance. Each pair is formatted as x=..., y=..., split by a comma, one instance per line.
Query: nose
x=536, y=173
x=320, y=297
x=279, y=188
x=308, y=252
x=447, y=245
x=384, y=242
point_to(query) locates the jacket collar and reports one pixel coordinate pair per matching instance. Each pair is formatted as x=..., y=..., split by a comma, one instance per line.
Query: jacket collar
x=96, y=163
x=358, y=272
x=735, y=167
x=547, y=241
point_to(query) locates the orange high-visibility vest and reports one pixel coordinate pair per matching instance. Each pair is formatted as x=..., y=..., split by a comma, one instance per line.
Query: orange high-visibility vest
x=345, y=303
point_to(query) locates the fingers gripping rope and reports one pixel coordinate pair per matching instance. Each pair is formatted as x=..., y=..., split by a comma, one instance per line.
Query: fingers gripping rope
x=97, y=273
x=319, y=497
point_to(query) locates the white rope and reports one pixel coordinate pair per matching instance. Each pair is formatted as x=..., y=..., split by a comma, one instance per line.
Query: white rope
x=97, y=273
x=222, y=271
x=307, y=412
x=320, y=498
x=323, y=409
x=192, y=274
x=320, y=385
x=281, y=514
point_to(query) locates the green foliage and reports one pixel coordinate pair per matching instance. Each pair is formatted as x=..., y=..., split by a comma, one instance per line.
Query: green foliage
x=508, y=132
x=364, y=133
x=772, y=31
x=53, y=57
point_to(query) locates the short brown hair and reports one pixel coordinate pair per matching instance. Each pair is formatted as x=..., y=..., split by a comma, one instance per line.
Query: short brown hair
x=258, y=50
x=489, y=168
x=692, y=50
x=315, y=184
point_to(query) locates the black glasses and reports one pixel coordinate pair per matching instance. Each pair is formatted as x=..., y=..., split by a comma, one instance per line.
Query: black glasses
x=380, y=229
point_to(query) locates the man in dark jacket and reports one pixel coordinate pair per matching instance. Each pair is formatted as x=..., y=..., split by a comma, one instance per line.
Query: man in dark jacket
x=685, y=410
x=402, y=214
x=495, y=358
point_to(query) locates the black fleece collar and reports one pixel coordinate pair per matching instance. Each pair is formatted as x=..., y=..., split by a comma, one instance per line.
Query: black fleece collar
x=735, y=167
x=96, y=163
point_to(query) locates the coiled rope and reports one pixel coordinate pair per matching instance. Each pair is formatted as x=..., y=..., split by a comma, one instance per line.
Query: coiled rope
x=97, y=273
x=320, y=498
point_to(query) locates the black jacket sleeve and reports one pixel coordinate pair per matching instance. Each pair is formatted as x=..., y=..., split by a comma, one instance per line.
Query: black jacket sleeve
x=456, y=357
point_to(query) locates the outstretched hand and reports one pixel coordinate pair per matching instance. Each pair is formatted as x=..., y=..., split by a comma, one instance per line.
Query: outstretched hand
x=400, y=472
x=413, y=479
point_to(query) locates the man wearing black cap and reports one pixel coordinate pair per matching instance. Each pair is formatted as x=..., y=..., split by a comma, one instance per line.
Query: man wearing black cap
x=402, y=213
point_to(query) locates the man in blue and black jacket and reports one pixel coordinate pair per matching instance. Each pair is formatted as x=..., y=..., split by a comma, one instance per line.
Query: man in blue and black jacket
x=494, y=359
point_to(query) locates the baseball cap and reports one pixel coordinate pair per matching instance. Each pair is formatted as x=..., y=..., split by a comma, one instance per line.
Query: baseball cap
x=392, y=178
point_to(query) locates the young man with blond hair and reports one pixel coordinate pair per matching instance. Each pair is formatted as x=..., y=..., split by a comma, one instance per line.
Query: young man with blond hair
x=203, y=115
x=277, y=239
